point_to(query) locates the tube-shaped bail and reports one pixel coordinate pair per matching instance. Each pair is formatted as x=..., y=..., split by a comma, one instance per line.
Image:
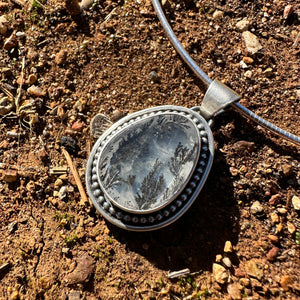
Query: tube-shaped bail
x=217, y=97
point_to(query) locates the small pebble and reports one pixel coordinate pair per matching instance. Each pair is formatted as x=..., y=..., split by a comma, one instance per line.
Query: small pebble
x=79, y=105
x=61, y=57
x=10, y=175
x=219, y=273
x=239, y=273
x=287, y=169
x=63, y=192
x=228, y=247
x=275, y=199
x=6, y=71
x=288, y=10
x=243, y=65
x=274, y=217
x=74, y=295
x=11, y=42
x=77, y=126
x=227, y=262
x=253, y=270
x=20, y=34
x=273, y=239
x=83, y=270
x=282, y=210
x=19, y=80
x=58, y=183
x=268, y=72
x=248, y=60
x=251, y=41
x=273, y=253
x=242, y=25
x=248, y=74
x=296, y=202
x=218, y=258
x=245, y=282
x=61, y=112
x=256, y=208
x=117, y=115
x=234, y=291
x=218, y=15
x=279, y=227
x=291, y=228
x=243, y=170
x=3, y=25
x=35, y=91
x=12, y=227
x=233, y=171
x=166, y=4
x=154, y=77
x=286, y=281
x=32, y=78
x=70, y=144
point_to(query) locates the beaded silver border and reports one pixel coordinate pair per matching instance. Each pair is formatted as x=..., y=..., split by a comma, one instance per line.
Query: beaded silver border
x=172, y=211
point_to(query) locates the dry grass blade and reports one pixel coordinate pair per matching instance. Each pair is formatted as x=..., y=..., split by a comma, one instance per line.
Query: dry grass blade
x=17, y=99
x=84, y=198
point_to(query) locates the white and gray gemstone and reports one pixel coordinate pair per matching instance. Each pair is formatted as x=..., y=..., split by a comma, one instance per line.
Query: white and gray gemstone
x=147, y=164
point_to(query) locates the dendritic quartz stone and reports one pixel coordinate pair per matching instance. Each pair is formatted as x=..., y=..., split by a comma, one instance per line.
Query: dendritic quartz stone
x=146, y=170
x=145, y=166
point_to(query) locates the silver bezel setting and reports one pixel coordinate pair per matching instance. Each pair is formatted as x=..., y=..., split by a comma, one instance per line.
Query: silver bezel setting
x=146, y=221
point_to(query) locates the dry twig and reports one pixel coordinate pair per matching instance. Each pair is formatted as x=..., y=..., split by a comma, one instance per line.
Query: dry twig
x=84, y=198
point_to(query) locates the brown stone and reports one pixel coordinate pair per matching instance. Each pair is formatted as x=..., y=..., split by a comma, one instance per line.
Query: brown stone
x=10, y=175
x=219, y=273
x=248, y=60
x=239, y=273
x=287, y=169
x=77, y=126
x=10, y=43
x=61, y=57
x=286, y=281
x=228, y=247
x=253, y=270
x=83, y=270
x=234, y=291
x=273, y=239
x=273, y=253
x=275, y=199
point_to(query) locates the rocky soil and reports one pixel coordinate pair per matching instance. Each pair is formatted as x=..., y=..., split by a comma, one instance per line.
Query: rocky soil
x=241, y=238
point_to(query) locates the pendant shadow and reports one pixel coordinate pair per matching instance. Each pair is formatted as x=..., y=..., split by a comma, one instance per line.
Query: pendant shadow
x=194, y=240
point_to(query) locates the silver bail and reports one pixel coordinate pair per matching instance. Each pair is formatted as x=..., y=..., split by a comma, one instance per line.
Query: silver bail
x=217, y=97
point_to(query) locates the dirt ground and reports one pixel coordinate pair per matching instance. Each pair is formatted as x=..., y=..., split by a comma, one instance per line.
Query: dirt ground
x=240, y=239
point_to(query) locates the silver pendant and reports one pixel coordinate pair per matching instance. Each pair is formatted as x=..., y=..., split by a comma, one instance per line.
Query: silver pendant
x=146, y=170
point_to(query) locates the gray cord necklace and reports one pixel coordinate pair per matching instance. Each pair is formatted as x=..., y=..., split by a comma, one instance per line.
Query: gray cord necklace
x=147, y=169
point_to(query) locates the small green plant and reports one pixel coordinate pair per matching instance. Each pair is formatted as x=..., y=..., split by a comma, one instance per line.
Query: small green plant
x=100, y=252
x=71, y=241
x=58, y=217
x=204, y=293
x=183, y=281
x=36, y=4
x=161, y=283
